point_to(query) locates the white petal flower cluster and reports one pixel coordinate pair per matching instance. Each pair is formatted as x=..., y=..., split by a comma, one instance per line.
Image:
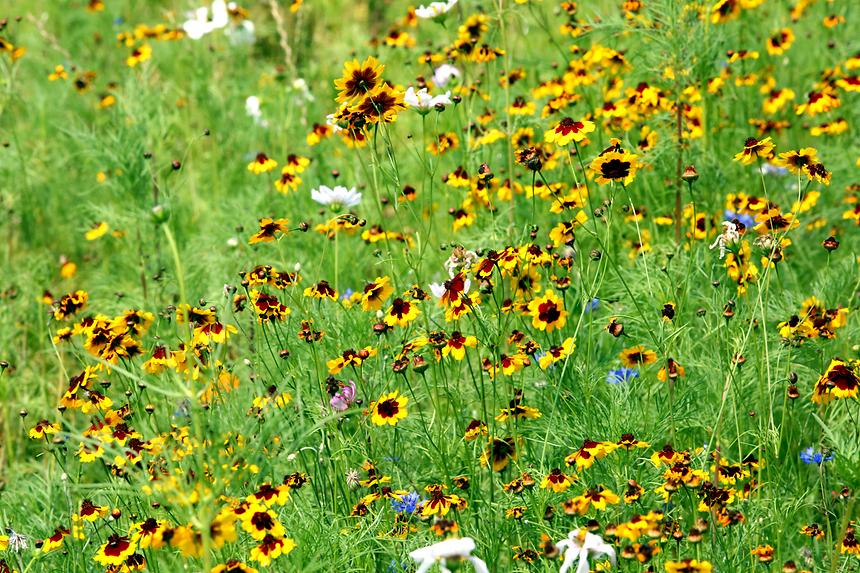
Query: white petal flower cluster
x=435, y=9
x=728, y=237
x=423, y=101
x=201, y=22
x=338, y=197
x=441, y=552
x=579, y=546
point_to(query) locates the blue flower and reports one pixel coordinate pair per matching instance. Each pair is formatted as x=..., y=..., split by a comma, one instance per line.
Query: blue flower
x=406, y=504
x=592, y=304
x=810, y=456
x=623, y=374
x=346, y=294
x=747, y=220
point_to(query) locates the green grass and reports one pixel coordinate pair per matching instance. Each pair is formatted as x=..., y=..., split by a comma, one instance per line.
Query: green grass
x=180, y=205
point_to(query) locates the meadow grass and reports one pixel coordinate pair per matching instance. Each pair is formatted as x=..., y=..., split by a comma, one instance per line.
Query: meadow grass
x=639, y=323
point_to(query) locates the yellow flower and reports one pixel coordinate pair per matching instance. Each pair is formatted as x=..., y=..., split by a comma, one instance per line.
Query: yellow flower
x=262, y=164
x=59, y=73
x=98, y=230
x=401, y=313
x=568, y=130
x=547, y=312
x=359, y=79
x=388, y=409
x=138, y=55
x=753, y=149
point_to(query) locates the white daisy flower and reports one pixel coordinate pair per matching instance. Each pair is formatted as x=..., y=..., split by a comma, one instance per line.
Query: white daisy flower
x=579, y=546
x=423, y=101
x=440, y=552
x=435, y=9
x=201, y=23
x=336, y=198
x=254, y=111
x=443, y=74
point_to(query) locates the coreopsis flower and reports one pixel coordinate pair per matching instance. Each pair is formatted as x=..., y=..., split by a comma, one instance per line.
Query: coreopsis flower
x=92, y=512
x=557, y=481
x=840, y=380
x=359, y=79
x=270, y=229
x=42, y=429
x=139, y=54
x=579, y=546
x=614, y=164
x=321, y=290
x=288, y=181
x=375, y=293
x=380, y=105
x=812, y=530
x=798, y=161
x=764, y=553
x=517, y=411
x=755, y=149
x=401, y=312
x=475, y=429
x=637, y=356
x=268, y=308
x=547, y=312
x=233, y=566
x=55, y=541
x=689, y=566
x=350, y=358
x=269, y=495
x=59, y=73
x=115, y=550
x=557, y=353
x=568, y=130
x=96, y=231
x=780, y=42
x=584, y=457
x=456, y=345
x=70, y=304
x=318, y=133
x=818, y=102
x=597, y=497
x=499, y=453
x=849, y=543
x=336, y=198
x=262, y=164
x=458, y=549
x=270, y=548
x=670, y=371
x=389, y=409
x=148, y=533
x=260, y=522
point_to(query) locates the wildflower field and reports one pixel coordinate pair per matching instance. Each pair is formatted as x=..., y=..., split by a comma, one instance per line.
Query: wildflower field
x=476, y=285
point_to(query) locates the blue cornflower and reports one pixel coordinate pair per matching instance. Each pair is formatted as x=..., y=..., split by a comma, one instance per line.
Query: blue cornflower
x=747, y=220
x=623, y=374
x=810, y=456
x=406, y=504
x=592, y=304
x=346, y=294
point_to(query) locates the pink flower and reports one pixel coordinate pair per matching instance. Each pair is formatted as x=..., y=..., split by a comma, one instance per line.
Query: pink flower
x=344, y=397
